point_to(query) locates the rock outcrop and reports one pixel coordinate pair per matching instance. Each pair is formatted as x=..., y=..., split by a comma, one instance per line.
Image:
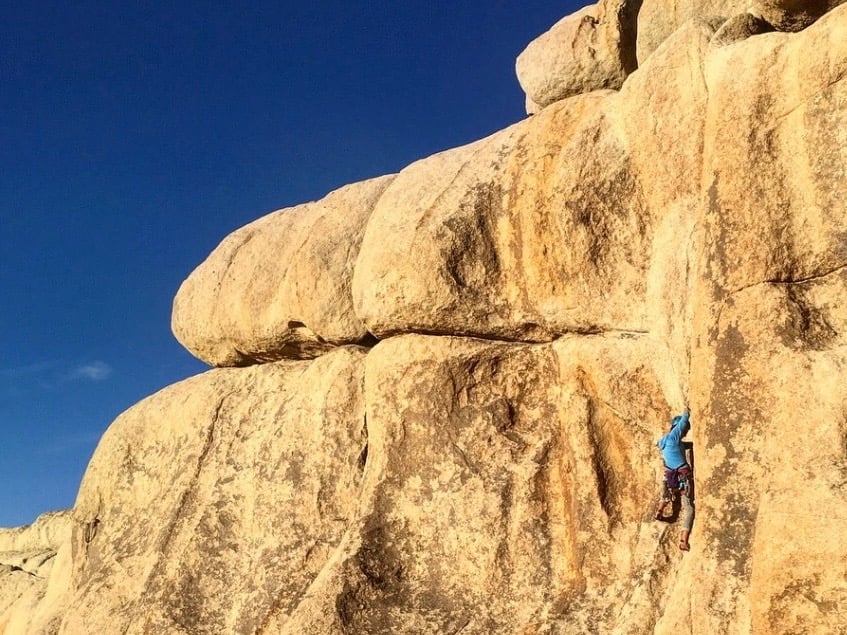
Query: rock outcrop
x=235, y=484
x=27, y=558
x=530, y=309
x=279, y=287
x=769, y=334
x=510, y=240
x=493, y=470
x=592, y=49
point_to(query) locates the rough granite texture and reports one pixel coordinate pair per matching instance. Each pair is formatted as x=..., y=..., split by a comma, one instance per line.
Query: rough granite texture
x=589, y=50
x=280, y=286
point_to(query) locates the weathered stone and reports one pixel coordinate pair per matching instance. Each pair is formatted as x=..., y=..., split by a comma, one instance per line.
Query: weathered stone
x=661, y=111
x=27, y=557
x=280, y=286
x=505, y=487
x=768, y=348
x=47, y=532
x=659, y=19
x=591, y=49
x=774, y=176
x=212, y=505
x=535, y=231
x=580, y=219
x=740, y=27
x=772, y=461
x=792, y=15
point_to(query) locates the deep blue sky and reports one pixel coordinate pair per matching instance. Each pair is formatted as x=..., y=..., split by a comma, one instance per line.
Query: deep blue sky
x=135, y=136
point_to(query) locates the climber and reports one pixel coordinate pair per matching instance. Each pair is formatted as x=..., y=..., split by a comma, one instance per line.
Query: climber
x=678, y=475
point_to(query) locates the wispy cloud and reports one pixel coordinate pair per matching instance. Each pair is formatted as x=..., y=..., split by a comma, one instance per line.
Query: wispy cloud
x=92, y=371
x=29, y=370
x=51, y=375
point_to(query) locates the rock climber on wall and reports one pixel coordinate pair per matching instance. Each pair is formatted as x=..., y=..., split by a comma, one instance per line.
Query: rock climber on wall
x=678, y=475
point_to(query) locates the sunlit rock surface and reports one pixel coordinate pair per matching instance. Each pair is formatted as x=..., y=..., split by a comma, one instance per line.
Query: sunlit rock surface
x=280, y=286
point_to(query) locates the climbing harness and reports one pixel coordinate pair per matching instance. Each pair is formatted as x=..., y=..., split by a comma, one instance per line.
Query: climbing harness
x=677, y=480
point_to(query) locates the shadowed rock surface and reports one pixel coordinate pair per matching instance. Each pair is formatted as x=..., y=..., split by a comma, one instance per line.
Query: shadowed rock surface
x=793, y=15
x=547, y=298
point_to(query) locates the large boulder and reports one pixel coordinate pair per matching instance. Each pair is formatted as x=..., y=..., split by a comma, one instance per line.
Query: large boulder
x=580, y=219
x=536, y=231
x=280, y=286
x=591, y=49
x=211, y=506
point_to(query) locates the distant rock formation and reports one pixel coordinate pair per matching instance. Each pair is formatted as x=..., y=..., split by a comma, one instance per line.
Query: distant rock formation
x=27, y=558
x=452, y=378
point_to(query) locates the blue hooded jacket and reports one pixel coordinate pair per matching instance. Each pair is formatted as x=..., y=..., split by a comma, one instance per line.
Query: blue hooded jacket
x=671, y=444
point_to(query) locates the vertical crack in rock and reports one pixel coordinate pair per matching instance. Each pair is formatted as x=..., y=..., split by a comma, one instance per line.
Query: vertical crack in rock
x=345, y=599
x=198, y=468
x=90, y=530
x=627, y=15
x=599, y=461
x=362, y=461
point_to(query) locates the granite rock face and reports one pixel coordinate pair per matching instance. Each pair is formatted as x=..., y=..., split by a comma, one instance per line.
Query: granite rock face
x=498, y=474
x=769, y=334
x=545, y=299
x=512, y=240
x=27, y=559
x=236, y=484
x=280, y=286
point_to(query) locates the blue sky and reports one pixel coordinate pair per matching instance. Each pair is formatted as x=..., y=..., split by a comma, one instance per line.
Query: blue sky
x=135, y=136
